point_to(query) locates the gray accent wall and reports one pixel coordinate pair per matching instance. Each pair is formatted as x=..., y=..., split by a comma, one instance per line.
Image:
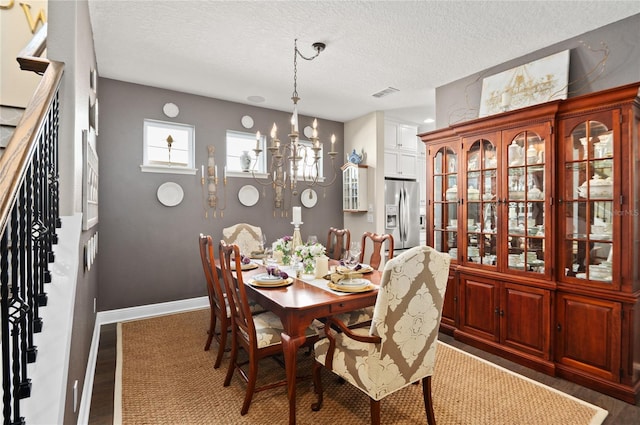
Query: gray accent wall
x=148, y=253
x=460, y=100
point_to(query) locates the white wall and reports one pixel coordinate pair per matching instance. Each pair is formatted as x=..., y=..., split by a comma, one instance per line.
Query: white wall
x=367, y=132
x=17, y=86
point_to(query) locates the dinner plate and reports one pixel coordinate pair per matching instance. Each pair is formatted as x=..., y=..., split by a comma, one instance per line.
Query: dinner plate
x=364, y=269
x=248, y=195
x=275, y=284
x=352, y=288
x=170, y=194
x=266, y=278
x=249, y=266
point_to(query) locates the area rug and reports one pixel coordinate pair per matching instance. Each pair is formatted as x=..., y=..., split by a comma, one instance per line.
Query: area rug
x=164, y=376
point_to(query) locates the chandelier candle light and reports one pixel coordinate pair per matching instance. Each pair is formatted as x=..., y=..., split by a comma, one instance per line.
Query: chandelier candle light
x=293, y=156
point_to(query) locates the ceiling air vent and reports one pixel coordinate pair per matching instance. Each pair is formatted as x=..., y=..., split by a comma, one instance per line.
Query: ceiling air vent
x=385, y=92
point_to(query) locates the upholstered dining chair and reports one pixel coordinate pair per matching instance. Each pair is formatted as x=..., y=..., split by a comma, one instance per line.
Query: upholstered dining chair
x=338, y=240
x=246, y=236
x=400, y=347
x=258, y=335
x=375, y=243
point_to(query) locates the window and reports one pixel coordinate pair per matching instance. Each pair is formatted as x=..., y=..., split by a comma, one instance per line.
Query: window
x=237, y=144
x=306, y=168
x=168, y=148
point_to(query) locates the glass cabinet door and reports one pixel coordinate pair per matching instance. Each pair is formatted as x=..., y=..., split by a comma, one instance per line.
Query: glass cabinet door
x=481, y=203
x=525, y=202
x=444, y=190
x=588, y=203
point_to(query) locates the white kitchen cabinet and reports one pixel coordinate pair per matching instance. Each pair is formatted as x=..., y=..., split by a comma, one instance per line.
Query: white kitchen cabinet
x=400, y=150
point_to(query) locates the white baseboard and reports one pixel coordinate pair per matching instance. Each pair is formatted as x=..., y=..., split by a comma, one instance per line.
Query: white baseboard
x=122, y=315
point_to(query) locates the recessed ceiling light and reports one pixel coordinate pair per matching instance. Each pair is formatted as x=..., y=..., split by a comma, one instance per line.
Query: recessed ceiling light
x=429, y=120
x=256, y=99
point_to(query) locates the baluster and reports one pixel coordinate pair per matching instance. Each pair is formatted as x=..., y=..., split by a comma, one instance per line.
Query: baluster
x=26, y=287
x=4, y=303
x=21, y=383
x=55, y=192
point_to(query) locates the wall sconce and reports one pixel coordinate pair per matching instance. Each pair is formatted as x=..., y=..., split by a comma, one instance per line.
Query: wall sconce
x=210, y=185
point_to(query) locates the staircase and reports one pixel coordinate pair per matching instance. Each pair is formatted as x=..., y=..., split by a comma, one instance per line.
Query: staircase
x=9, y=118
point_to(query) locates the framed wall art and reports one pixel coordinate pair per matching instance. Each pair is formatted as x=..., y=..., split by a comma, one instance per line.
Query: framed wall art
x=537, y=82
x=89, y=180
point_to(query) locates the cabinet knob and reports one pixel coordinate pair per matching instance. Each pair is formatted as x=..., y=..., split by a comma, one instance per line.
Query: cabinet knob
x=559, y=327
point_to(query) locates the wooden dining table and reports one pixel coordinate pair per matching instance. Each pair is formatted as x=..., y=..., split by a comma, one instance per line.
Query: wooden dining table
x=297, y=305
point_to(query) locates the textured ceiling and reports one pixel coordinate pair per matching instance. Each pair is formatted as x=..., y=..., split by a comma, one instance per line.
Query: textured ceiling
x=232, y=50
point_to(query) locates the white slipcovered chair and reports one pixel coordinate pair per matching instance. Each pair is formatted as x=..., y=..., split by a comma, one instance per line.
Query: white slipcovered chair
x=247, y=237
x=400, y=347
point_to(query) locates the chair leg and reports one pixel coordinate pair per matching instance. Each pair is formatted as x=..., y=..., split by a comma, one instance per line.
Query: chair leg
x=222, y=347
x=212, y=330
x=375, y=412
x=317, y=386
x=428, y=401
x=232, y=361
x=251, y=385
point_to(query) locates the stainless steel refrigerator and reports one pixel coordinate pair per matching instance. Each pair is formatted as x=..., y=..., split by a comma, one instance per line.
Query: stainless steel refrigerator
x=402, y=212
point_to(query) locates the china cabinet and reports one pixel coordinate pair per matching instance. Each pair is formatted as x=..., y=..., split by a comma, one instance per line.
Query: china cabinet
x=539, y=210
x=354, y=187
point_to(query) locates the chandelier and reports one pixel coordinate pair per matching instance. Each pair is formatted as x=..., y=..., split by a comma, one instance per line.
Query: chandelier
x=294, y=164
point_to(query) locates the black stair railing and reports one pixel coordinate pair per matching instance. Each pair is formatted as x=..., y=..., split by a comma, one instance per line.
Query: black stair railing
x=29, y=217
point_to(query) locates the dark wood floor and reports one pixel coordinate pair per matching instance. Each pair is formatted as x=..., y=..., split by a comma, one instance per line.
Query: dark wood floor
x=101, y=413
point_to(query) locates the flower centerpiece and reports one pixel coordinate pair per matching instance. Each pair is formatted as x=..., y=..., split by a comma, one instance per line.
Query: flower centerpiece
x=284, y=245
x=307, y=254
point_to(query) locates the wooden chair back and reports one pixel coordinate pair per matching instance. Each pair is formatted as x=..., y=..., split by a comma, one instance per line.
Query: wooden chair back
x=217, y=302
x=338, y=240
x=376, y=243
x=236, y=292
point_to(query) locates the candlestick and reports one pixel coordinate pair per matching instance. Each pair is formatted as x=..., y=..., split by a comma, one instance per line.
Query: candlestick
x=296, y=238
x=257, y=140
x=333, y=142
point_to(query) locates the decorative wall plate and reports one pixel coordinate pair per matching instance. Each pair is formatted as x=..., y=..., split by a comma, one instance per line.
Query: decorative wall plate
x=308, y=131
x=309, y=198
x=247, y=121
x=248, y=195
x=170, y=194
x=171, y=110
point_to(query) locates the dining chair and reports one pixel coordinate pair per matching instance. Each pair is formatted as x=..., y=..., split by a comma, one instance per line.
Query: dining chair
x=362, y=316
x=219, y=311
x=338, y=240
x=377, y=243
x=218, y=305
x=258, y=335
x=400, y=346
x=246, y=236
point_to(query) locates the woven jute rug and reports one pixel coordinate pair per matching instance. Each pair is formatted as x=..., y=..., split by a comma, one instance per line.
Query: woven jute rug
x=165, y=377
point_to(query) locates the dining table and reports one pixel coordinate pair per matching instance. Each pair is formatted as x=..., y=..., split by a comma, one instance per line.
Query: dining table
x=298, y=304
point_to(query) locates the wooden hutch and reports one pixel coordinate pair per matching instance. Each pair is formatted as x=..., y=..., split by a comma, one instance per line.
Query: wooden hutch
x=539, y=209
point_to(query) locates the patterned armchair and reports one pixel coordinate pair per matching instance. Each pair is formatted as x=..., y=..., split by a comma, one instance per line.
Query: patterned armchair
x=400, y=347
x=247, y=237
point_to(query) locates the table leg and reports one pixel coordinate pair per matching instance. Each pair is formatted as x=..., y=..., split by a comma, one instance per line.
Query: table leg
x=290, y=349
